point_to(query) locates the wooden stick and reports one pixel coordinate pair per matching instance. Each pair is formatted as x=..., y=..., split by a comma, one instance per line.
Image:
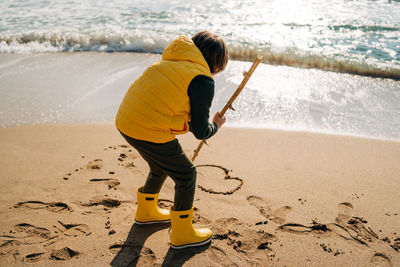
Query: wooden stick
x=247, y=75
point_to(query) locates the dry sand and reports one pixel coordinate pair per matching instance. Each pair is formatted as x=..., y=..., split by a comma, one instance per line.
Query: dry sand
x=278, y=198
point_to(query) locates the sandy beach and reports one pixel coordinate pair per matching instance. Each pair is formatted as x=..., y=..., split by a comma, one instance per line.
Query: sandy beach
x=305, y=171
x=272, y=198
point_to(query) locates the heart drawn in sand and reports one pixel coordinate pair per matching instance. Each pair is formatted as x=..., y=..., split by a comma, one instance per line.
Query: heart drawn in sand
x=227, y=176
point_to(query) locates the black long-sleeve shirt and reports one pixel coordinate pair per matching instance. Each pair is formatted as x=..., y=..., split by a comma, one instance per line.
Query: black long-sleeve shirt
x=201, y=93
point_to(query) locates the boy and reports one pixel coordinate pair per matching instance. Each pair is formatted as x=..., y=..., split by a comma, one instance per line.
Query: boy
x=172, y=97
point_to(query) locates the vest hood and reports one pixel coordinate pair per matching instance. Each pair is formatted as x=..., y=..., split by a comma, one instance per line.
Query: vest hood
x=183, y=49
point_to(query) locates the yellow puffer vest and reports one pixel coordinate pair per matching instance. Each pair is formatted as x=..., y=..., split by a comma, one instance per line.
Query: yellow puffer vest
x=156, y=106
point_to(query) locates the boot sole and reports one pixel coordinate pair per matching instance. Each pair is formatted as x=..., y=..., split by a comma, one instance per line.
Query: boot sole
x=202, y=243
x=152, y=222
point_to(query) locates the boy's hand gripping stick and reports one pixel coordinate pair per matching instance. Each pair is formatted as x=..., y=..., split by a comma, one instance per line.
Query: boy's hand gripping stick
x=247, y=75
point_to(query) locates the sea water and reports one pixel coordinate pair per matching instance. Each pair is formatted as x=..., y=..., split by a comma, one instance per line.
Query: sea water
x=329, y=66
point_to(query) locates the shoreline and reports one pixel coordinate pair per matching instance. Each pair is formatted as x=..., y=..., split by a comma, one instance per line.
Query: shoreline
x=305, y=198
x=260, y=128
x=317, y=132
x=282, y=59
x=88, y=87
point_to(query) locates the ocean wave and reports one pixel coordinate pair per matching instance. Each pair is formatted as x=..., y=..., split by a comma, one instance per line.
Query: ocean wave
x=313, y=61
x=40, y=42
x=74, y=42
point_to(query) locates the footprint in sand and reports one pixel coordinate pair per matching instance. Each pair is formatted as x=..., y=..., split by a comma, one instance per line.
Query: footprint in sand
x=278, y=216
x=25, y=233
x=63, y=254
x=247, y=241
x=261, y=205
x=381, y=260
x=222, y=228
x=225, y=228
x=9, y=246
x=345, y=212
x=197, y=218
x=226, y=222
x=50, y=206
x=220, y=256
x=74, y=229
x=110, y=182
x=34, y=257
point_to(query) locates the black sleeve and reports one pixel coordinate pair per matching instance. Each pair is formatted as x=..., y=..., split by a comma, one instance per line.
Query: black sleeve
x=201, y=93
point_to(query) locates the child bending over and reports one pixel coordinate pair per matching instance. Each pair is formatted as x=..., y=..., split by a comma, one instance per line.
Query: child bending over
x=173, y=96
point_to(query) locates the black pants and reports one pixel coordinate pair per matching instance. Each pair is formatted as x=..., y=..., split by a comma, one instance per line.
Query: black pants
x=168, y=159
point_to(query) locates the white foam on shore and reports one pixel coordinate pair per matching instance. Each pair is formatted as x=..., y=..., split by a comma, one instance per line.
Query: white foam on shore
x=152, y=43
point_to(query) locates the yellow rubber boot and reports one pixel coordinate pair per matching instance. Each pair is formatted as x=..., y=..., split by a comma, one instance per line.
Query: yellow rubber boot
x=147, y=210
x=183, y=234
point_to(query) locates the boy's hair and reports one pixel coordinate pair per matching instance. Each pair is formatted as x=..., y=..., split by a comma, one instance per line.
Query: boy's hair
x=213, y=48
